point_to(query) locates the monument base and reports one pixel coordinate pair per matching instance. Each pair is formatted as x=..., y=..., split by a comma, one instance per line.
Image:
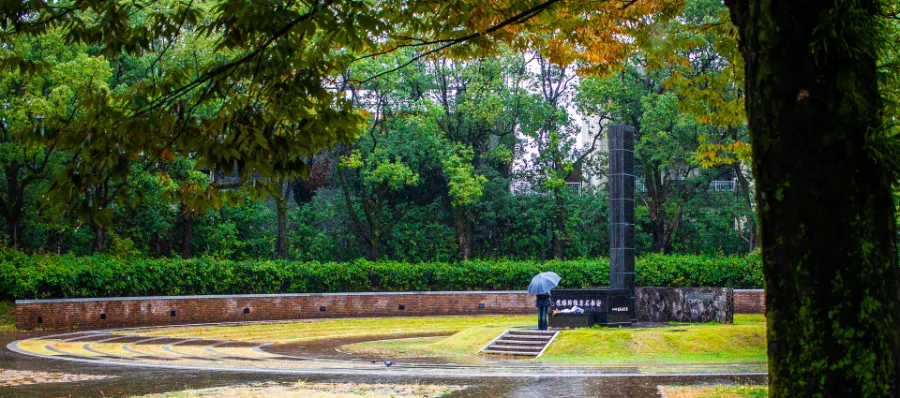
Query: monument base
x=602, y=306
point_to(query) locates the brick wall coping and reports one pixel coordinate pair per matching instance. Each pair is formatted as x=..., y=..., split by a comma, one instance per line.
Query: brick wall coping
x=239, y=296
x=750, y=290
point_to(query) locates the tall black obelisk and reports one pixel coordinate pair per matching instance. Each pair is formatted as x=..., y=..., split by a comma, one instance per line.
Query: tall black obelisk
x=621, y=209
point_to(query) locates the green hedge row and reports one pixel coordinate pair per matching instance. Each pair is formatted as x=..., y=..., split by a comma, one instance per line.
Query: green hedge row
x=42, y=276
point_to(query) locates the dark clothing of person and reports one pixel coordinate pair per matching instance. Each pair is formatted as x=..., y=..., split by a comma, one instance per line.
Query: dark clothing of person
x=543, y=303
x=542, y=318
x=543, y=300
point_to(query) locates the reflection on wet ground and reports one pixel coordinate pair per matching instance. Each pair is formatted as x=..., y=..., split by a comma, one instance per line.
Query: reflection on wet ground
x=128, y=381
x=330, y=349
x=327, y=349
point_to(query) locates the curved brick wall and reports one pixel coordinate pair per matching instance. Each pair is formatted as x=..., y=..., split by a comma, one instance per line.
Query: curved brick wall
x=175, y=310
x=179, y=310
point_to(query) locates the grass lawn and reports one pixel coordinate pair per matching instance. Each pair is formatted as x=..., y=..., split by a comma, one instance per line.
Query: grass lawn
x=320, y=329
x=744, y=341
x=750, y=319
x=7, y=315
x=714, y=391
x=464, y=343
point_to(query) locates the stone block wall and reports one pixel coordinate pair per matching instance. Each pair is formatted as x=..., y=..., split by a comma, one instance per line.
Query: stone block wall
x=688, y=304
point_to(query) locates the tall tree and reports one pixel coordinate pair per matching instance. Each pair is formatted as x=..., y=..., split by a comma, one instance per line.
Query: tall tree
x=553, y=154
x=666, y=142
x=378, y=177
x=702, y=64
x=823, y=172
x=465, y=187
x=478, y=106
x=36, y=102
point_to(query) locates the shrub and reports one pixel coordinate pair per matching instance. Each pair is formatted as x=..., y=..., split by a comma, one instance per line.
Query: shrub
x=50, y=276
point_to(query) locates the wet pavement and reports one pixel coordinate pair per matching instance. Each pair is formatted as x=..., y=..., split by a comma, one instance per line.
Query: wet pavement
x=136, y=380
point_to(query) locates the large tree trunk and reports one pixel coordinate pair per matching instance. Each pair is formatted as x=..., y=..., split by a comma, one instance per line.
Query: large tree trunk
x=281, y=240
x=658, y=237
x=368, y=233
x=14, y=204
x=374, y=249
x=752, y=238
x=99, y=238
x=825, y=212
x=187, y=233
x=656, y=198
x=463, y=233
x=14, y=223
x=559, y=228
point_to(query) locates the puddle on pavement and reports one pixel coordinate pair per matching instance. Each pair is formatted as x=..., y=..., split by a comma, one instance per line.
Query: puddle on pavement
x=327, y=348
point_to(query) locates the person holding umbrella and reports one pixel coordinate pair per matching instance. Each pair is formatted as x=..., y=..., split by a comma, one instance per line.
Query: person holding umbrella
x=540, y=286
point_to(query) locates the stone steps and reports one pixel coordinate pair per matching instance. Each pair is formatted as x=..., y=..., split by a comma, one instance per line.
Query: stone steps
x=528, y=338
x=533, y=332
x=497, y=352
x=520, y=343
x=532, y=349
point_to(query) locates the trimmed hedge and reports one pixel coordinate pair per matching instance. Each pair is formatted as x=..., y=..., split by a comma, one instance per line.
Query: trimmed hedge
x=49, y=276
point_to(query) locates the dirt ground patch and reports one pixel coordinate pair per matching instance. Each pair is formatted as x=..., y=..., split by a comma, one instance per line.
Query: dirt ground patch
x=315, y=390
x=12, y=378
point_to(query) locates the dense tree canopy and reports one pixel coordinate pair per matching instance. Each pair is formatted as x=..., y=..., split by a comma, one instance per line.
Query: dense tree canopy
x=228, y=80
x=196, y=104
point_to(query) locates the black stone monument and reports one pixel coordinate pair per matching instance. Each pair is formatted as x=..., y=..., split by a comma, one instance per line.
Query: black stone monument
x=621, y=209
x=614, y=305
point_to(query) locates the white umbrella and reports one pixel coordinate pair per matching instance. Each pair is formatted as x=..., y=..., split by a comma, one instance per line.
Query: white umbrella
x=544, y=282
